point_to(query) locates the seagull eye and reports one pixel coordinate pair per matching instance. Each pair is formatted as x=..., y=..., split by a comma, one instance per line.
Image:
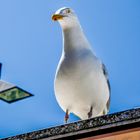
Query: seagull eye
x=68, y=11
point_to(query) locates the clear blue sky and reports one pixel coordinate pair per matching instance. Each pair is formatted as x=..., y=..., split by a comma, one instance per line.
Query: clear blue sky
x=30, y=48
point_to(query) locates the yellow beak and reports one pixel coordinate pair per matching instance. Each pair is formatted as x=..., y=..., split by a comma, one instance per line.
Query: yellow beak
x=56, y=17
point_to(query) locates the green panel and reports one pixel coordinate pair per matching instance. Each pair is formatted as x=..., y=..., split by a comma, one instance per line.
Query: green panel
x=13, y=94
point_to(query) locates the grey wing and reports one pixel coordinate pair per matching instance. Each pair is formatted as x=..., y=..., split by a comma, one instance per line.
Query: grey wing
x=108, y=83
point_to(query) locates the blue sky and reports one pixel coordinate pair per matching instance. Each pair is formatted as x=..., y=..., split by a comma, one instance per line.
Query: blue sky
x=30, y=48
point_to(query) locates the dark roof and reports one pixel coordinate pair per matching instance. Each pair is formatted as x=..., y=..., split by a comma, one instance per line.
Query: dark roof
x=92, y=127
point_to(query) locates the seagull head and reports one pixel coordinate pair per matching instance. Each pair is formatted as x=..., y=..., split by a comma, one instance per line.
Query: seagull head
x=66, y=17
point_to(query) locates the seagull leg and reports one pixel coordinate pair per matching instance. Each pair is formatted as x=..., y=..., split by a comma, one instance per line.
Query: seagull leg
x=90, y=113
x=66, y=116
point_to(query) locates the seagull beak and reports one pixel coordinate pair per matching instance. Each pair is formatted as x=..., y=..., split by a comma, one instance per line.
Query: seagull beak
x=56, y=17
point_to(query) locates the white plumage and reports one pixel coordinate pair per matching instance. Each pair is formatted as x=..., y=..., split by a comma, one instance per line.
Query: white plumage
x=81, y=83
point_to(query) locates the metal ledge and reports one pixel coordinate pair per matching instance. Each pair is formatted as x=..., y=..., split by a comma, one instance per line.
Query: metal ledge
x=125, y=120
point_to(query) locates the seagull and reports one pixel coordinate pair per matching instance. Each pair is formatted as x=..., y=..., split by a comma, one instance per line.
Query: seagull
x=81, y=82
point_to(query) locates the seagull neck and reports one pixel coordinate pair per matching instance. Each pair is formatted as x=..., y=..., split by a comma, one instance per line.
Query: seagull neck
x=73, y=39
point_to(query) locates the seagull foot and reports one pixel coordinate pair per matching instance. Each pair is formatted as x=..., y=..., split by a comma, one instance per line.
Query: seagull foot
x=66, y=116
x=90, y=113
